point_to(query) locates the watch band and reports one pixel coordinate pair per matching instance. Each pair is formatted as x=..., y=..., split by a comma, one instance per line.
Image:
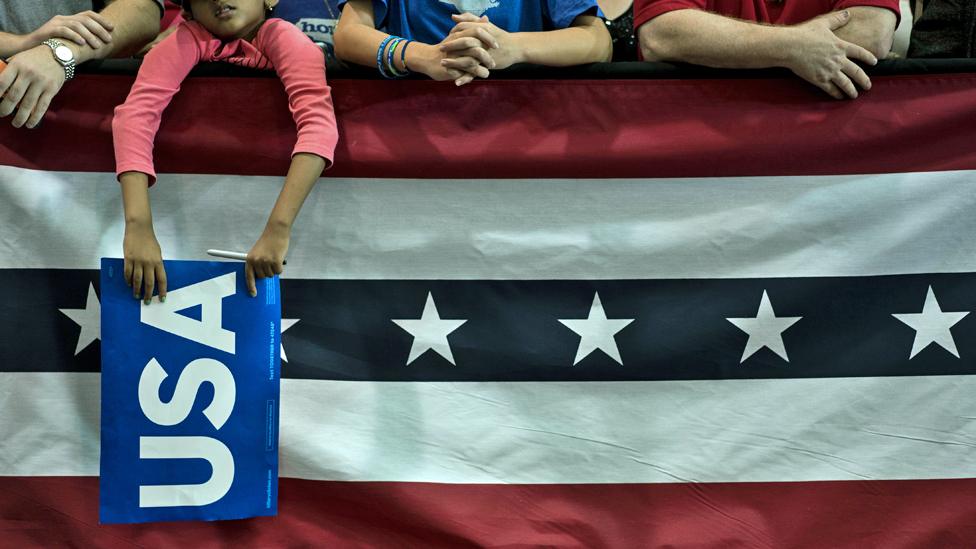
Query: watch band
x=67, y=62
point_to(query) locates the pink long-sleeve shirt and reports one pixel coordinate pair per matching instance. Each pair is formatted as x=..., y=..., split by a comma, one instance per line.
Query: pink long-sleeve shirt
x=278, y=46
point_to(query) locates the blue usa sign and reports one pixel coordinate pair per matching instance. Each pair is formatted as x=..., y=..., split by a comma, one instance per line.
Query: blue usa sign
x=189, y=396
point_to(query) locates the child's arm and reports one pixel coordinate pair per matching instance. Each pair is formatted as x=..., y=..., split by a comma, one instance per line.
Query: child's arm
x=134, y=129
x=137, y=120
x=301, y=66
x=143, y=258
x=268, y=254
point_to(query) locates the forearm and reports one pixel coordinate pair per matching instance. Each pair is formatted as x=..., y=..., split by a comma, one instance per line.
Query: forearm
x=703, y=38
x=135, y=198
x=135, y=22
x=586, y=42
x=358, y=43
x=871, y=28
x=13, y=43
x=304, y=171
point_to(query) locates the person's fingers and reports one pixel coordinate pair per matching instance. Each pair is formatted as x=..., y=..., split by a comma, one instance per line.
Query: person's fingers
x=482, y=55
x=69, y=34
x=100, y=19
x=40, y=109
x=466, y=78
x=857, y=74
x=461, y=28
x=857, y=52
x=97, y=28
x=81, y=29
x=161, y=281
x=13, y=96
x=136, y=280
x=837, y=19
x=127, y=271
x=149, y=280
x=475, y=30
x=482, y=34
x=460, y=44
x=267, y=269
x=7, y=78
x=27, y=105
x=466, y=64
x=465, y=17
x=252, y=288
x=844, y=83
x=832, y=90
x=277, y=268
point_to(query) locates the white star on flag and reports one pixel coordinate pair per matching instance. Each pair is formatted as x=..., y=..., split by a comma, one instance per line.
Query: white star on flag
x=285, y=324
x=765, y=330
x=932, y=325
x=430, y=332
x=89, y=318
x=597, y=332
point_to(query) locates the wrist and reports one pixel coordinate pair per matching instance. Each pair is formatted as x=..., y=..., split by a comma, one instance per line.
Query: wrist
x=421, y=58
x=784, y=46
x=11, y=43
x=517, y=50
x=138, y=222
x=278, y=227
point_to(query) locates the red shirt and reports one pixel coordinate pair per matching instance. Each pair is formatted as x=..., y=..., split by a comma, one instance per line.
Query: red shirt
x=787, y=12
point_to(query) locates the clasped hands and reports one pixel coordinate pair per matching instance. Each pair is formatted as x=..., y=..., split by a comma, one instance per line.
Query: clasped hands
x=33, y=77
x=474, y=47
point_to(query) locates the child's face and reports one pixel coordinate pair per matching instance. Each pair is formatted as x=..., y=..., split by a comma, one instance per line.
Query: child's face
x=230, y=19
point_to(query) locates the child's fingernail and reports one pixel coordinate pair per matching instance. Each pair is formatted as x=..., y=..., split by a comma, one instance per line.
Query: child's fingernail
x=162, y=299
x=253, y=293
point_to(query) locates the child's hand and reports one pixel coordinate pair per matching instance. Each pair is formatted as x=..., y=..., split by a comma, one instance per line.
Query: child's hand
x=267, y=257
x=143, y=262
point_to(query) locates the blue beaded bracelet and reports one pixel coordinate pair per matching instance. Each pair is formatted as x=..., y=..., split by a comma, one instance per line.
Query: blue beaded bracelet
x=403, y=57
x=389, y=59
x=379, y=57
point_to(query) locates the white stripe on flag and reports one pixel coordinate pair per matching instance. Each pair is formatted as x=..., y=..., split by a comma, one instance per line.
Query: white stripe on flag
x=521, y=229
x=558, y=432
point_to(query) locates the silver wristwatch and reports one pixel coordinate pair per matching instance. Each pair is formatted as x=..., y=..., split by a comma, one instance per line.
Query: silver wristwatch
x=63, y=55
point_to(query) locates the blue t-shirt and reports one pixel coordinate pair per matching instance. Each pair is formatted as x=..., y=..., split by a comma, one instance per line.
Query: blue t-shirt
x=429, y=21
x=316, y=18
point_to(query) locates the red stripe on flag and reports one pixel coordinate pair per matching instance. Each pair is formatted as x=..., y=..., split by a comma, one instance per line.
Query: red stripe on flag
x=527, y=129
x=55, y=511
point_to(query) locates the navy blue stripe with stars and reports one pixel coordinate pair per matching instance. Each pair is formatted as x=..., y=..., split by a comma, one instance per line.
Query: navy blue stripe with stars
x=512, y=329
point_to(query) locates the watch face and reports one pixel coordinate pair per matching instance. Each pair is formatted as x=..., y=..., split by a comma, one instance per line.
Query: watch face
x=63, y=53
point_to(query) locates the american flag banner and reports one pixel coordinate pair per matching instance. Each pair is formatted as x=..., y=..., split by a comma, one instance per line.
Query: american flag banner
x=579, y=313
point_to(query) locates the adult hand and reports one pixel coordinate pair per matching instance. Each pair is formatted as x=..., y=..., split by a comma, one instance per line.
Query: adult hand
x=143, y=262
x=826, y=61
x=267, y=257
x=82, y=28
x=28, y=84
x=501, y=45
